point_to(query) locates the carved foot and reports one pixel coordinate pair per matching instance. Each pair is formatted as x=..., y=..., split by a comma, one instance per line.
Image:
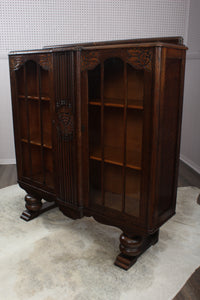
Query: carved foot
x=132, y=247
x=35, y=207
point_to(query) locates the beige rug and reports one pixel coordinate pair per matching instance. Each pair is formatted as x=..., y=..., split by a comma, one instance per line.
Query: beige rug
x=55, y=258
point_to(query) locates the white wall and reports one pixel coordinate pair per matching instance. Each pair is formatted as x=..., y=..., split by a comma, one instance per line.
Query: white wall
x=7, y=153
x=33, y=24
x=190, y=145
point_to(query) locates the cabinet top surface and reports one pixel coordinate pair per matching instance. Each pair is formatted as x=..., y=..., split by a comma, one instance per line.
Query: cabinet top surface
x=169, y=42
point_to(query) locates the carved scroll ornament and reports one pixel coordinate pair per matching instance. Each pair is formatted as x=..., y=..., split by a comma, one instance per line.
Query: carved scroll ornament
x=89, y=60
x=16, y=62
x=140, y=58
x=44, y=60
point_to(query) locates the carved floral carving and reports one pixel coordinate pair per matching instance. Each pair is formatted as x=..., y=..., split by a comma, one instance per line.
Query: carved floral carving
x=89, y=60
x=65, y=120
x=45, y=61
x=140, y=58
x=16, y=62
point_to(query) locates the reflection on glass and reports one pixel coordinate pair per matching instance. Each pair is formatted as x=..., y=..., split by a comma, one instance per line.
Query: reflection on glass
x=113, y=186
x=132, y=192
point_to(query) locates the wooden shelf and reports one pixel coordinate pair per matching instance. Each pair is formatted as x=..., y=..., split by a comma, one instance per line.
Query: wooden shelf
x=97, y=103
x=34, y=98
x=114, y=101
x=132, y=104
x=135, y=107
x=116, y=163
x=36, y=143
x=114, y=156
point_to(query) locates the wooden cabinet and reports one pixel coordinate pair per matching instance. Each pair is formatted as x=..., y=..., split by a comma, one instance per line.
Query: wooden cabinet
x=97, y=133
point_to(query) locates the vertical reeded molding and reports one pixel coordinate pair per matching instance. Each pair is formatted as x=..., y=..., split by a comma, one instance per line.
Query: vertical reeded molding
x=65, y=115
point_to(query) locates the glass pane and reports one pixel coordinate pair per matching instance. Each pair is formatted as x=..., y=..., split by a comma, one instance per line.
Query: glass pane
x=34, y=121
x=132, y=192
x=20, y=81
x=95, y=131
x=95, y=182
x=114, y=81
x=23, y=119
x=31, y=79
x=36, y=160
x=94, y=84
x=113, y=134
x=45, y=86
x=134, y=137
x=48, y=166
x=26, y=160
x=113, y=186
x=135, y=86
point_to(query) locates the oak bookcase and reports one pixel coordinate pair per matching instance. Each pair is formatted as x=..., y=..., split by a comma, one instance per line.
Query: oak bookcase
x=97, y=133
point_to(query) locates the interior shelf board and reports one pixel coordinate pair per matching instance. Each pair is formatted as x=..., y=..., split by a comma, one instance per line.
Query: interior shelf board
x=36, y=143
x=107, y=161
x=112, y=103
x=95, y=103
x=116, y=163
x=139, y=107
x=34, y=98
x=95, y=158
x=133, y=167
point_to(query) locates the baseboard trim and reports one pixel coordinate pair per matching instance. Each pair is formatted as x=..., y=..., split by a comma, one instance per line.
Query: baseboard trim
x=8, y=161
x=190, y=164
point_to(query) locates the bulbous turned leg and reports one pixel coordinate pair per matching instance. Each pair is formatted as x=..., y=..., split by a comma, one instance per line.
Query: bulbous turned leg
x=34, y=207
x=32, y=203
x=132, y=247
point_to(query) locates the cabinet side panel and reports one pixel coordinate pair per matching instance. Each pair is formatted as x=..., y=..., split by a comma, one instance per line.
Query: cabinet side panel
x=65, y=131
x=15, y=114
x=169, y=137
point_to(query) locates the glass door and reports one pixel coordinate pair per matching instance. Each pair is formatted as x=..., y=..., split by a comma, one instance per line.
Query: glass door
x=116, y=112
x=33, y=98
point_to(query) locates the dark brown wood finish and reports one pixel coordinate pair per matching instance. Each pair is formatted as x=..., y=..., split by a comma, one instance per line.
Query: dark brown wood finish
x=97, y=130
x=32, y=100
x=173, y=40
x=65, y=128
